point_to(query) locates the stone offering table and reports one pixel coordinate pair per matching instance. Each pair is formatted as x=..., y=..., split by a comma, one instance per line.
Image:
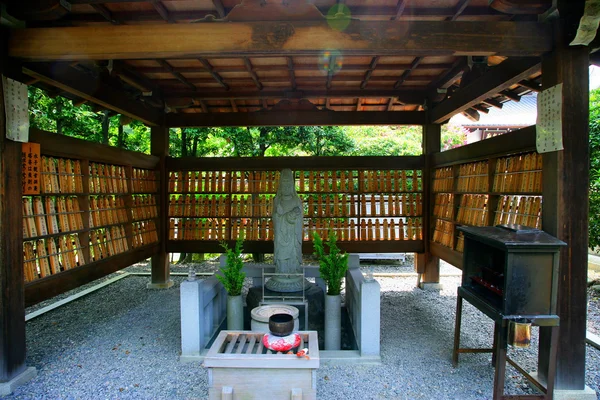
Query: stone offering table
x=239, y=366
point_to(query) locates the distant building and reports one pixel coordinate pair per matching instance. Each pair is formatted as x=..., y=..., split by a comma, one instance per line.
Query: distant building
x=512, y=116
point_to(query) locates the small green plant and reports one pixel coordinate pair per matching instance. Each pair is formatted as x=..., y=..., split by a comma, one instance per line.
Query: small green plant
x=332, y=265
x=232, y=276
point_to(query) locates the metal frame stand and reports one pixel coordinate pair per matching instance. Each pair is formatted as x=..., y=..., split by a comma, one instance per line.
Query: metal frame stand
x=499, y=348
x=284, y=299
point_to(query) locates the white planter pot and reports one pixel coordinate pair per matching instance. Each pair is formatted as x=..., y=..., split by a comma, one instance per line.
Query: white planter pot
x=235, y=313
x=333, y=322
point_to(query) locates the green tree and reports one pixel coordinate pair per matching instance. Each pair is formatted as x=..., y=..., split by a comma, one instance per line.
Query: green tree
x=594, y=200
x=325, y=141
x=386, y=140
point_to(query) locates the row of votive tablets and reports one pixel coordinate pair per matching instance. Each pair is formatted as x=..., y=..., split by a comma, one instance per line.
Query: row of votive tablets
x=143, y=181
x=472, y=210
x=50, y=216
x=521, y=173
x=144, y=207
x=443, y=180
x=50, y=256
x=473, y=177
x=444, y=233
x=61, y=175
x=108, y=242
x=444, y=205
x=216, y=229
x=107, y=210
x=219, y=181
x=144, y=233
x=107, y=179
x=520, y=210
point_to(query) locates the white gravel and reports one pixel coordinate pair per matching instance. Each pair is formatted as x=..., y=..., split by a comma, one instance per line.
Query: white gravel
x=122, y=342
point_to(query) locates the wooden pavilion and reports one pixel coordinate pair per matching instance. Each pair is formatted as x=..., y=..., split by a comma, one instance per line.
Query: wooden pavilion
x=175, y=63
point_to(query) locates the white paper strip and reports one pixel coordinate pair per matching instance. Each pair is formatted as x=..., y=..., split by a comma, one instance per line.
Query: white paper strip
x=549, y=120
x=16, y=105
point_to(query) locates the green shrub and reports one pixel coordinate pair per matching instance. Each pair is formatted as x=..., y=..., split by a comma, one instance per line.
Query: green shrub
x=332, y=266
x=232, y=276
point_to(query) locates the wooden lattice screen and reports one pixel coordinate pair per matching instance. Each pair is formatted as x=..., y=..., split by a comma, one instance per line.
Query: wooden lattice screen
x=378, y=206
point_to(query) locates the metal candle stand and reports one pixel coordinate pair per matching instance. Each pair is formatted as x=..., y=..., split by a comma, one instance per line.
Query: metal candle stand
x=510, y=274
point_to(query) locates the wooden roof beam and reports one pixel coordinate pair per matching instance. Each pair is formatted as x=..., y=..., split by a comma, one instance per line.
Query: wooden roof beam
x=531, y=85
x=493, y=103
x=407, y=73
x=95, y=91
x=407, y=96
x=419, y=38
x=212, y=71
x=511, y=95
x=105, y=12
x=220, y=8
x=291, y=118
x=369, y=72
x=253, y=75
x=176, y=74
x=162, y=11
x=290, y=63
x=492, y=82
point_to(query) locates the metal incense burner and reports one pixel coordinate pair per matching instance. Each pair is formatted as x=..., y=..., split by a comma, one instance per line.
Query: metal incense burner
x=510, y=274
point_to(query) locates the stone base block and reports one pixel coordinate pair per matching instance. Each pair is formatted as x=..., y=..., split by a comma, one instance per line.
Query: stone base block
x=7, y=388
x=433, y=286
x=585, y=394
x=165, y=285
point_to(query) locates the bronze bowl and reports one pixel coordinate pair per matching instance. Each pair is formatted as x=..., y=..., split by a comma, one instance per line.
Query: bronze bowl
x=281, y=324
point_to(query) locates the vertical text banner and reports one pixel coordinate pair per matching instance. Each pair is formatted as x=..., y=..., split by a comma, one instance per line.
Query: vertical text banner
x=31, y=163
x=16, y=106
x=549, y=120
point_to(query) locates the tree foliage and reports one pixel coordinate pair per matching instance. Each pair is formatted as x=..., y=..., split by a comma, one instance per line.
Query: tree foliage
x=232, y=277
x=594, y=199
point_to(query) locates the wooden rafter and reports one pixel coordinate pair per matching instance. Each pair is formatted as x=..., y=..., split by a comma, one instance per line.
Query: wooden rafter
x=330, y=70
x=220, y=8
x=106, y=14
x=407, y=96
x=481, y=109
x=176, y=74
x=162, y=11
x=494, y=81
x=83, y=86
x=290, y=63
x=460, y=8
x=253, y=75
x=207, y=66
x=358, y=104
x=233, y=105
x=511, y=95
x=447, y=79
x=369, y=72
x=493, y=103
x=297, y=67
x=289, y=118
x=531, y=85
x=390, y=104
x=400, y=6
x=419, y=38
x=407, y=73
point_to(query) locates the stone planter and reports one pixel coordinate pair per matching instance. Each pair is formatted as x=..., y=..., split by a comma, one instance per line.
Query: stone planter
x=235, y=313
x=333, y=322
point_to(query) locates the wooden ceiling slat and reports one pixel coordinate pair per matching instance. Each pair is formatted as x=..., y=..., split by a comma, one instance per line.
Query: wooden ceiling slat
x=162, y=11
x=400, y=6
x=369, y=72
x=406, y=73
x=214, y=74
x=176, y=74
x=252, y=73
x=460, y=8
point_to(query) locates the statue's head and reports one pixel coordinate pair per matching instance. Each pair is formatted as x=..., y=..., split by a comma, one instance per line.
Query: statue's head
x=286, y=182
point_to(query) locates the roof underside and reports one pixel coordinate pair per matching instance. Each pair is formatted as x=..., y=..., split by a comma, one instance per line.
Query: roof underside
x=372, y=79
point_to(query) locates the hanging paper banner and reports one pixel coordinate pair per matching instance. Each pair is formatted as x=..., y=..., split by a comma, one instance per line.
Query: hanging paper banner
x=30, y=169
x=16, y=106
x=549, y=120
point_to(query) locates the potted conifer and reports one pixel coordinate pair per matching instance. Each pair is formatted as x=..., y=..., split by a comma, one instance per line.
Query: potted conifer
x=332, y=267
x=232, y=277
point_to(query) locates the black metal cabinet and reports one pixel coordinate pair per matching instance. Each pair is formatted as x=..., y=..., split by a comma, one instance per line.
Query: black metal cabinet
x=510, y=273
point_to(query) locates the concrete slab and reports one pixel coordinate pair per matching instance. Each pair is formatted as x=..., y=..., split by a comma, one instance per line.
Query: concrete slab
x=585, y=394
x=7, y=388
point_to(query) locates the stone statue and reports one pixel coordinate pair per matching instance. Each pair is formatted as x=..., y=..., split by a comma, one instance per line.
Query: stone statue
x=287, y=221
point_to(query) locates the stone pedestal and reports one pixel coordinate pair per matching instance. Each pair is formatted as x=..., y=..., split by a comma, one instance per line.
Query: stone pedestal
x=316, y=306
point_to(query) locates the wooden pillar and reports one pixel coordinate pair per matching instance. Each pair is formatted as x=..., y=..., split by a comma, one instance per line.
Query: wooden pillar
x=427, y=265
x=159, y=146
x=12, y=297
x=565, y=213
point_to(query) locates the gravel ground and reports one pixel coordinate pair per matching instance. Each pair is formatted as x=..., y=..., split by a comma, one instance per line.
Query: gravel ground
x=122, y=342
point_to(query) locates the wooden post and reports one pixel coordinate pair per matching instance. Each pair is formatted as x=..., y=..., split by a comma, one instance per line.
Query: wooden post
x=565, y=213
x=427, y=265
x=12, y=297
x=159, y=146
